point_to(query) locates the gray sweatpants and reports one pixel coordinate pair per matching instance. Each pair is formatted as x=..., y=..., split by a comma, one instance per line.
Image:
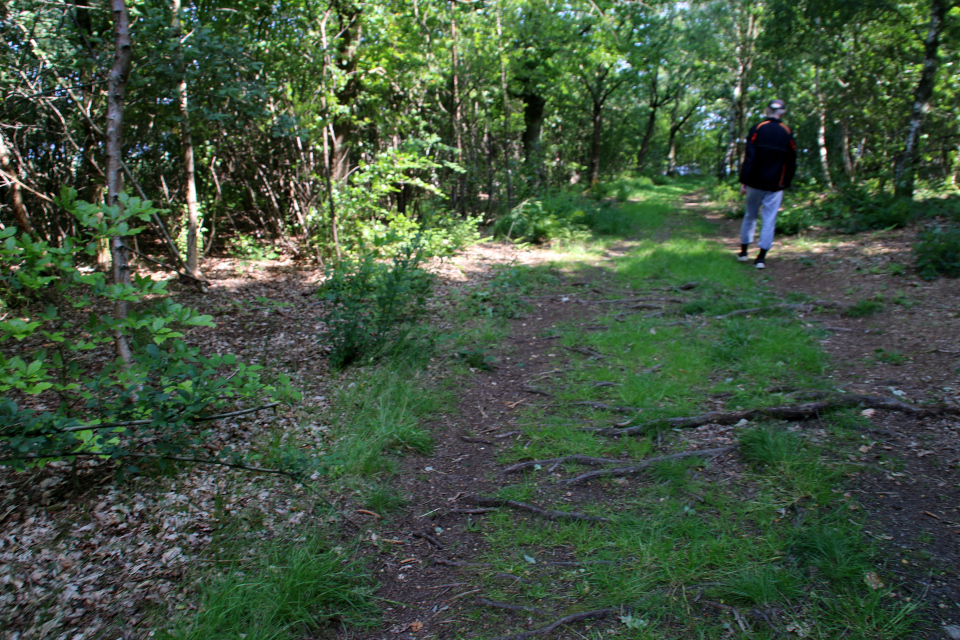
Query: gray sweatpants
x=766, y=203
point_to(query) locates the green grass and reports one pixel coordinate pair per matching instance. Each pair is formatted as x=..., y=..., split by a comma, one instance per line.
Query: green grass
x=778, y=534
x=288, y=590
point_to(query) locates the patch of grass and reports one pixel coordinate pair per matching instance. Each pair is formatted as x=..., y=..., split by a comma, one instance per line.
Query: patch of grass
x=769, y=446
x=889, y=357
x=476, y=358
x=938, y=253
x=290, y=589
x=380, y=413
x=864, y=308
x=774, y=534
x=384, y=499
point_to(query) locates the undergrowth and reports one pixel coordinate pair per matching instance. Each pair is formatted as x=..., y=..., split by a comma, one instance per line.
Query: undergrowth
x=290, y=589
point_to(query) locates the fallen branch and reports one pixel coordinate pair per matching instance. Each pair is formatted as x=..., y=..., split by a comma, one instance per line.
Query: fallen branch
x=135, y=423
x=549, y=514
x=429, y=538
x=577, y=617
x=784, y=412
x=476, y=440
x=640, y=466
x=517, y=468
x=473, y=511
x=512, y=607
x=726, y=607
x=536, y=391
x=633, y=301
x=585, y=351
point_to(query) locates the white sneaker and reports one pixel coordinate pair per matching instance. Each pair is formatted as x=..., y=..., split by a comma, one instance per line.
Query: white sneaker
x=759, y=264
x=742, y=257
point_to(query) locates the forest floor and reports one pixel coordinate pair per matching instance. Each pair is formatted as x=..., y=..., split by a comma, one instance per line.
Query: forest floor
x=842, y=522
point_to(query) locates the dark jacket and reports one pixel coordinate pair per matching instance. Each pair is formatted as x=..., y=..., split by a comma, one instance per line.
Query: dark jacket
x=771, y=156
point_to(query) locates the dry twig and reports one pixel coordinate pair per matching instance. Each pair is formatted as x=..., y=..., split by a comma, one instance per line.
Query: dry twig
x=640, y=466
x=549, y=514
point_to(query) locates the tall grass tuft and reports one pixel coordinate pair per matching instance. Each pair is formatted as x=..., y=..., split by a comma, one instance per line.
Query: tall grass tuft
x=290, y=590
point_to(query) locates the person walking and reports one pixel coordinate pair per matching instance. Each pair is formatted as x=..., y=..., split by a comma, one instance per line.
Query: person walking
x=768, y=167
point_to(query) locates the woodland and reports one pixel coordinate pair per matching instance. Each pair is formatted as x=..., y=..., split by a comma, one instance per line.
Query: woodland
x=143, y=142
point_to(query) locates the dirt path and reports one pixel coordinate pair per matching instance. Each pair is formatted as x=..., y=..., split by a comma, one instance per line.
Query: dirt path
x=423, y=559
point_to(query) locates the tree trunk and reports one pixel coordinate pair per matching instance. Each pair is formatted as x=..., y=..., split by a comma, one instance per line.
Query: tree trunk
x=848, y=168
x=116, y=90
x=534, y=106
x=595, y=142
x=186, y=144
x=11, y=175
x=647, y=136
x=458, y=199
x=506, y=119
x=905, y=169
x=672, y=153
x=822, y=131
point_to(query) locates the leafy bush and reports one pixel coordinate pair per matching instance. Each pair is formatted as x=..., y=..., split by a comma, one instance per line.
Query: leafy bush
x=562, y=217
x=794, y=220
x=145, y=406
x=938, y=253
x=374, y=305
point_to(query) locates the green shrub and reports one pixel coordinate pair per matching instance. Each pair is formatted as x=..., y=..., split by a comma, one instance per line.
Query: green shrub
x=795, y=220
x=140, y=406
x=374, y=305
x=561, y=217
x=938, y=253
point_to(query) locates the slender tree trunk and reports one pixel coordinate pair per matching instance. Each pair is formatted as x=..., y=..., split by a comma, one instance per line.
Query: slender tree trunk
x=12, y=176
x=186, y=144
x=333, y=209
x=905, y=169
x=672, y=153
x=848, y=168
x=647, y=137
x=822, y=131
x=506, y=116
x=458, y=195
x=595, y=141
x=116, y=90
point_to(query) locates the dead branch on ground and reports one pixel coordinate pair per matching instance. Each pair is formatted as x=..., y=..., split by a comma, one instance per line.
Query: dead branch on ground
x=577, y=617
x=640, y=466
x=556, y=462
x=549, y=514
x=512, y=607
x=784, y=412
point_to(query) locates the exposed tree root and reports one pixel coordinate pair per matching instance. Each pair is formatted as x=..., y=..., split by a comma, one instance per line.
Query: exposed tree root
x=556, y=462
x=549, y=514
x=577, y=617
x=784, y=412
x=640, y=466
x=476, y=440
x=512, y=607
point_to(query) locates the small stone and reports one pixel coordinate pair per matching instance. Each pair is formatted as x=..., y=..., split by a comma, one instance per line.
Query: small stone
x=952, y=632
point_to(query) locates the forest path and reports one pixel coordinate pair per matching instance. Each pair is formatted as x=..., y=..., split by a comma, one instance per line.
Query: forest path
x=454, y=566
